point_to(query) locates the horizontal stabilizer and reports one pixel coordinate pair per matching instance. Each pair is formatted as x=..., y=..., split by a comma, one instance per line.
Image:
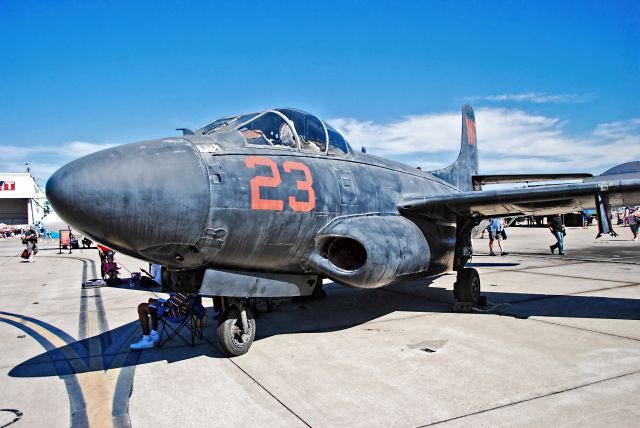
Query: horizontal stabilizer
x=479, y=180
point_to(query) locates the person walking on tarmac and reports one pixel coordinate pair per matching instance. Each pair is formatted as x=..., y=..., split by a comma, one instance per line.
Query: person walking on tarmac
x=633, y=219
x=496, y=232
x=31, y=241
x=557, y=229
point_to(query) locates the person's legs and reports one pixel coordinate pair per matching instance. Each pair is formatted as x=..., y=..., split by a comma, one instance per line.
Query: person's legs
x=149, y=337
x=30, y=251
x=143, y=315
x=145, y=311
x=554, y=246
x=153, y=315
x=503, y=252
x=491, y=238
x=560, y=244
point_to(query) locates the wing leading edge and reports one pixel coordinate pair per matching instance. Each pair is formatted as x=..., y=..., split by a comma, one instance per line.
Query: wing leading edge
x=542, y=200
x=480, y=180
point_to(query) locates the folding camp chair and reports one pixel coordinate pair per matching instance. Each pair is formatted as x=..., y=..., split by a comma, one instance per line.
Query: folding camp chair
x=172, y=326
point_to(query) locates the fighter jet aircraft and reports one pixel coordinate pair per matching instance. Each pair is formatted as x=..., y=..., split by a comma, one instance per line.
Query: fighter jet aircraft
x=266, y=204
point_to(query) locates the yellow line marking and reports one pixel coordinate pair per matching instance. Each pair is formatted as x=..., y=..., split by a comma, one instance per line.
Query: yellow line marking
x=96, y=384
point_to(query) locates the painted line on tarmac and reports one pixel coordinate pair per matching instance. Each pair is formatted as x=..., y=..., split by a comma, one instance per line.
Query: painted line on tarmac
x=528, y=270
x=100, y=390
x=269, y=392
x=51, y=342
x=526, y=400
x=583, y=329
x=110, y=387
x=585, y=259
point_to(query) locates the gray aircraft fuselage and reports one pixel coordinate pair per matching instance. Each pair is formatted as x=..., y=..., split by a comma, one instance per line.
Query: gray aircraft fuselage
x=212, y=201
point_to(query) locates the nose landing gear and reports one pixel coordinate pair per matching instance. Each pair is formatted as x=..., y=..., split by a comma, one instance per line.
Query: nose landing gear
x=236, y=329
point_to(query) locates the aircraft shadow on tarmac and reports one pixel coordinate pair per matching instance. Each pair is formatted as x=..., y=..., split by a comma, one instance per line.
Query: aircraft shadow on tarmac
x=109, y=350
x=343, y=308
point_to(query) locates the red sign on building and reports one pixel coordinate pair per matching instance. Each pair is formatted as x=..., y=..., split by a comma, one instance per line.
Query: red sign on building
x=7, y=185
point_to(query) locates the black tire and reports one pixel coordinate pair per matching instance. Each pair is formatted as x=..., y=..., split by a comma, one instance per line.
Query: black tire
x=229, y=332
x=467, y=287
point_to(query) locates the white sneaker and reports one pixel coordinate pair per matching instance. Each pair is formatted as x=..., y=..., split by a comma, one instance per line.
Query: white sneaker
x=142, y=344
x=155, y=337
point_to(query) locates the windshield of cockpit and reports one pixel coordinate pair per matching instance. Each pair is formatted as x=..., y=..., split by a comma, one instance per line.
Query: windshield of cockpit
x=226, y=122
x=283, y=128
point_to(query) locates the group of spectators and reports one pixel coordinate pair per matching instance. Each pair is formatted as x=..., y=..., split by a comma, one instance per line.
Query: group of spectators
x=497, y=233
x=496, y=229
x=10, y=232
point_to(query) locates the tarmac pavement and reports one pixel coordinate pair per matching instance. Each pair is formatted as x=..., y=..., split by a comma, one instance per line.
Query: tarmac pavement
x=557, y=344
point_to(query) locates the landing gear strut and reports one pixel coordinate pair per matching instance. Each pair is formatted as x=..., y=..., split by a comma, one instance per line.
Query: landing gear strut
x=466, y=289
x=236, y=329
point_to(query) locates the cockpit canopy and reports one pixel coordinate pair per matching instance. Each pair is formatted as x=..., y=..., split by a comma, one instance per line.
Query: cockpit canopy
x=282, y=128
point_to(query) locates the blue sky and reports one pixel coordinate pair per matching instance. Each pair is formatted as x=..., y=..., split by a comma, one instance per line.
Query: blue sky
x=554, y=84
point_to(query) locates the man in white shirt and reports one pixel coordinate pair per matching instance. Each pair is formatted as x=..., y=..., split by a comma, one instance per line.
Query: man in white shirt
x=153, y=278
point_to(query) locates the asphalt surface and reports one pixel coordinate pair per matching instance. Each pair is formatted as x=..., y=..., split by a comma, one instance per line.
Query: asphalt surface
x=557, y=344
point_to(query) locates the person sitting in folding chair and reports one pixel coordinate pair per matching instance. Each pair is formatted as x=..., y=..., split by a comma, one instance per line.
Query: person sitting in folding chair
x=110, y=270
x=178, y=304
x=193, y=320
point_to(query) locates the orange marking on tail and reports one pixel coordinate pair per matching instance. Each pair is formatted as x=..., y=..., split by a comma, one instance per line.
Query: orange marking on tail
x=471, y=131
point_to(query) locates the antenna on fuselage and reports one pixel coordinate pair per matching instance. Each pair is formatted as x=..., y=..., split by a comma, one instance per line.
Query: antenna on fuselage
x=186, y=131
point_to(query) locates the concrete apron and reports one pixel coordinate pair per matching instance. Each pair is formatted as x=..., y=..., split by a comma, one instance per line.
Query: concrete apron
x=558, y=341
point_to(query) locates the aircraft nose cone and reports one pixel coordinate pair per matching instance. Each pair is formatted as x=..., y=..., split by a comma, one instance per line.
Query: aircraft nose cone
x=147, y=199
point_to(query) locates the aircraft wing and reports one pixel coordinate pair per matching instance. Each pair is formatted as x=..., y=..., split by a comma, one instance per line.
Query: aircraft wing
x=543, y=200
x=479, y=180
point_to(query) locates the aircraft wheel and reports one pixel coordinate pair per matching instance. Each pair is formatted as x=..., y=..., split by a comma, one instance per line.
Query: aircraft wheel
x=467, y=286
x=232, y=339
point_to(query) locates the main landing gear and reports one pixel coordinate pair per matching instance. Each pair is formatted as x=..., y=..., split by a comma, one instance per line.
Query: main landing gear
x=466, y=291
x=236, y=329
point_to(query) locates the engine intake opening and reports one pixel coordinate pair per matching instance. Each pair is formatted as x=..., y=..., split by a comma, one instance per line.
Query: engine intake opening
x=346, y=253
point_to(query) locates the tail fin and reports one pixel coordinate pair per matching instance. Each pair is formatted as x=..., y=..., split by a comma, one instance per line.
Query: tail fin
x=460, y=172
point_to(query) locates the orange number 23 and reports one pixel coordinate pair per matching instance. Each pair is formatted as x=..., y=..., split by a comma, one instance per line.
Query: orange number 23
x=258, y=203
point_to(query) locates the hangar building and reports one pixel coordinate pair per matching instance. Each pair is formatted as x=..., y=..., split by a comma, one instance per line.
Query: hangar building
x=22, y=201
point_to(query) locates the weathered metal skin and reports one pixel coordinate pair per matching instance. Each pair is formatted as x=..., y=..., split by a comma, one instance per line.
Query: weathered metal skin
x=284, y=241
x=148, y=199
x=186, y=203
x=370, y=251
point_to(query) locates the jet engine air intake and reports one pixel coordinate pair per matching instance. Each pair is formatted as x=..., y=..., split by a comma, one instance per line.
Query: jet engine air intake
x=369, y=251
x=345, y=253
